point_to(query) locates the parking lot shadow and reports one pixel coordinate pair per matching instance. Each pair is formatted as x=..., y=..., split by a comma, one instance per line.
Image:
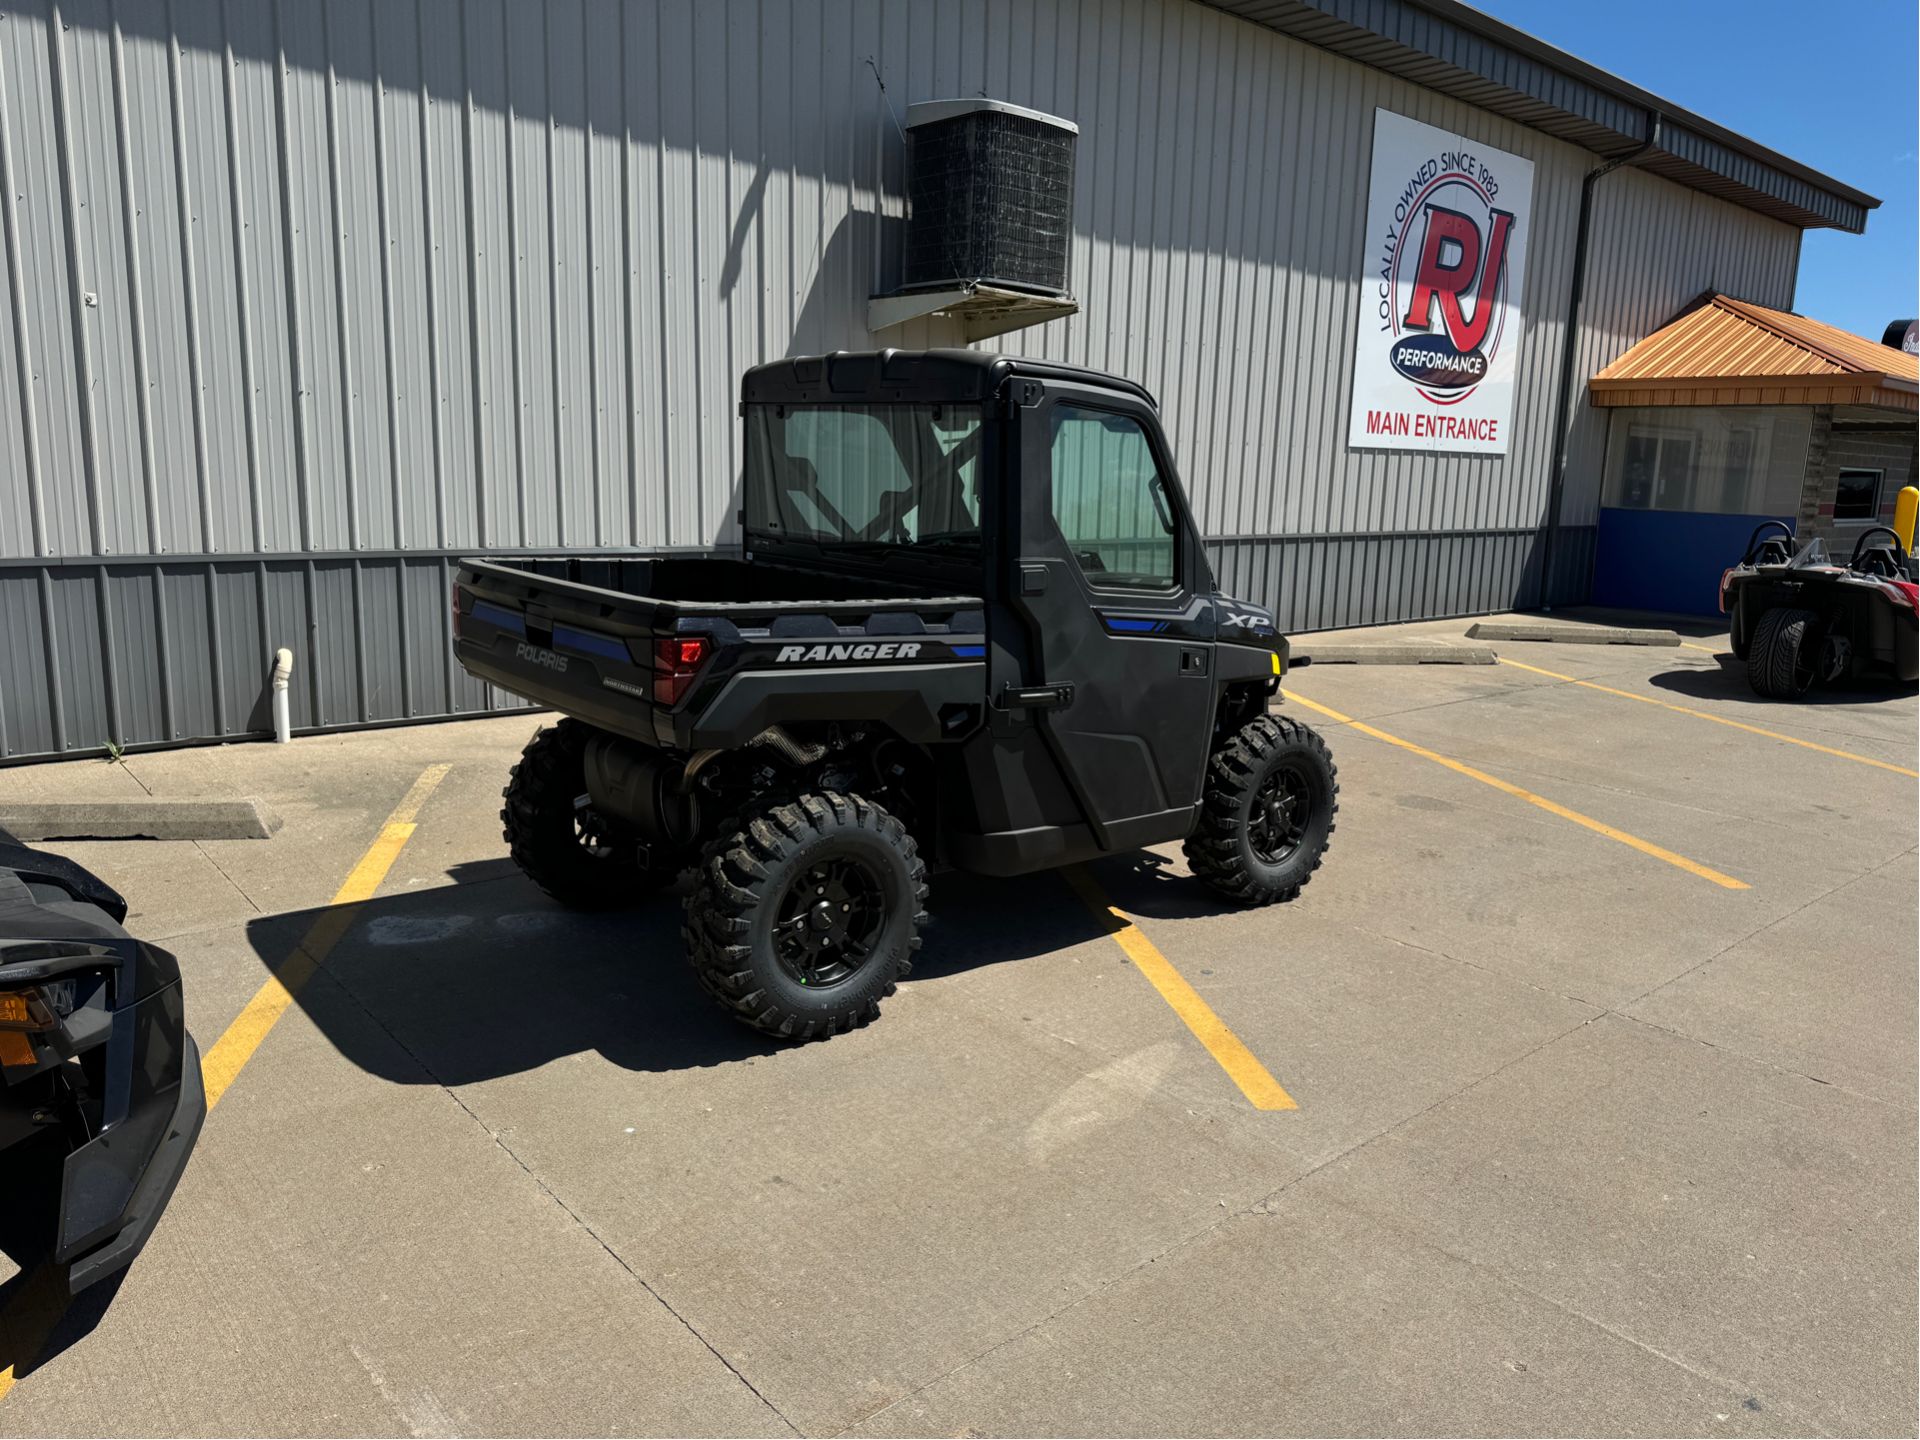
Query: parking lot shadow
x=488, y=977
x=1728, y=681
x=38, y=1320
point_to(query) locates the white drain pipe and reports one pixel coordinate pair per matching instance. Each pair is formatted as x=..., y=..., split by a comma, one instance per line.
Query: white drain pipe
x=282, y=673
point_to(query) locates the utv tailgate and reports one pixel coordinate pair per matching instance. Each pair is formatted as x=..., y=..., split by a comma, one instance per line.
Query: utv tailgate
x=699, y=673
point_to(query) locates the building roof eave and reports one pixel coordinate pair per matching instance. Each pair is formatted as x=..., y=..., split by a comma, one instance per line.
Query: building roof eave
x=1455, y=49
x=1879, y=392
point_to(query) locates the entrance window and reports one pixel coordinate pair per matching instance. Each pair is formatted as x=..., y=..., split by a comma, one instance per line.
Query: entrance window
x=1657, y=470
x=1858, y=497
x=1725, y=460
x=1109, y=501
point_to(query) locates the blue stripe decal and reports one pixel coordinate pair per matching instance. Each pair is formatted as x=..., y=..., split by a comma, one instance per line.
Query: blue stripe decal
x=1132, y=626
x=589, y=643
x=970, y=652
x=499, y=616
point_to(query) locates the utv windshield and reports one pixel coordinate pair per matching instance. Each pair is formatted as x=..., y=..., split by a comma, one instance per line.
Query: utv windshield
x=865, y=479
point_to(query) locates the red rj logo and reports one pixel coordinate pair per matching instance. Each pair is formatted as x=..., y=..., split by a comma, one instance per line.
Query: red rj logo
x=1444, y=276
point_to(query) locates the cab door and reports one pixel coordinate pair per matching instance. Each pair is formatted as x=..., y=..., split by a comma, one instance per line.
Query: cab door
x=1115, y=594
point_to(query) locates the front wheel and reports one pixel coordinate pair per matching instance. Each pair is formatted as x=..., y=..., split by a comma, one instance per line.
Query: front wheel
x=804, y=919
x=1267, y=813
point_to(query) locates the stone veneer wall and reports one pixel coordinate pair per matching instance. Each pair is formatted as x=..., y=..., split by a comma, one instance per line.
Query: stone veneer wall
x=1834, y=446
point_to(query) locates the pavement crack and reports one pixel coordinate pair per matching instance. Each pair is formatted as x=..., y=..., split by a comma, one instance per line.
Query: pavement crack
x=1260, y=1206
x=237, y=888
x=554, y=1196
x=1513, y=1282
x=617, y=1257
x=1736, y=1386
x=1593, y=1005
x=1761, y=1061
x=1761, y=929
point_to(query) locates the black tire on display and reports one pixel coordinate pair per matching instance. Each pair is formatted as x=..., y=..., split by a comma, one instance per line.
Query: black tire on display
x=1785, y=653
x=559, y=842
x=804, y=919
x=1267, y=812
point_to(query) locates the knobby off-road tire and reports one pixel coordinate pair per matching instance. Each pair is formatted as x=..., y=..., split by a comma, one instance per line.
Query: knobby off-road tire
x=1267, y=812
x=1785, y=653
x=805, y=918
x=554, y=836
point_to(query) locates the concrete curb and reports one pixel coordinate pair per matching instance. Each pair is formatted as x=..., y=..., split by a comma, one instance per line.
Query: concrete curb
x=1405, y=653
x=1573, y=635
x=139, y=820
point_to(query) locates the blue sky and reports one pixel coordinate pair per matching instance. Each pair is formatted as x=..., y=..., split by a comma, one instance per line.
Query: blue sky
x=1831, y=85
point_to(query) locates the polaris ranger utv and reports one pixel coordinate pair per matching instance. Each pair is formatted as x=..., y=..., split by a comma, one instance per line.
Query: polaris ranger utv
x=974, y=623
x=1799, y=620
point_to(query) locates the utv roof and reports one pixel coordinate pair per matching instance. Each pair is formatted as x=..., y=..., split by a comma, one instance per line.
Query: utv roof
x=909, y=377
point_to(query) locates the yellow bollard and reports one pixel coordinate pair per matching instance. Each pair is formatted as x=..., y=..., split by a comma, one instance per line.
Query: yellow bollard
x=1906, y=506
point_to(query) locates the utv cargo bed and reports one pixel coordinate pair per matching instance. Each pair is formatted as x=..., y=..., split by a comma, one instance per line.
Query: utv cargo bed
x=593, y=636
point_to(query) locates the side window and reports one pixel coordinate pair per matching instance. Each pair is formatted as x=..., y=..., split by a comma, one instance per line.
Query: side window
x=1857, y=495
x=1109, y=500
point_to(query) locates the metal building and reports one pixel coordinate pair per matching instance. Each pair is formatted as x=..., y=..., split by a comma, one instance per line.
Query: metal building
x=304, y=300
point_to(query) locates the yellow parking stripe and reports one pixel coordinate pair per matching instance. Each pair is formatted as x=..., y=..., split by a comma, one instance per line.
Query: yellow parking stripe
x=1253, y=1078
x=1716, y=719
x=233, y=1049
x=1645, y=847
x=1689, y=645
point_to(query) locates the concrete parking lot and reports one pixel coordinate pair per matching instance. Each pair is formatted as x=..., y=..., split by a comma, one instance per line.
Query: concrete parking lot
x=1598, y=1024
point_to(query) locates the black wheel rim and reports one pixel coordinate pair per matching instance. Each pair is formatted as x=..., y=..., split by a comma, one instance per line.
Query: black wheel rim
x=1278, y=815
x=590, y=831
x=828, y=920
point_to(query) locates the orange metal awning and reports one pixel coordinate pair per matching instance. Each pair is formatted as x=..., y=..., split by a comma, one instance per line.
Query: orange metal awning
x=1730, y=352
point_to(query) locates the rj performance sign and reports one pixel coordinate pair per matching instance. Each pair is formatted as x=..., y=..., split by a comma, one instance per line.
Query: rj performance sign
x=1439, y=334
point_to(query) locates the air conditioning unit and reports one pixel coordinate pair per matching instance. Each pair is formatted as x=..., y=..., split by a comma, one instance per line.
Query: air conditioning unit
x=990, y=222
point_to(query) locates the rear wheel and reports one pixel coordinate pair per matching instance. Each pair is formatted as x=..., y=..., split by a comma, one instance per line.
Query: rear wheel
x=1785, y=654
x=1267, y=813
x=579, y=857
x=1739, y=637
x=805, y=918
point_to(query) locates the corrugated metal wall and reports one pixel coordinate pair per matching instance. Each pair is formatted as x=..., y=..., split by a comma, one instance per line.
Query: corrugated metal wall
x=304, y=299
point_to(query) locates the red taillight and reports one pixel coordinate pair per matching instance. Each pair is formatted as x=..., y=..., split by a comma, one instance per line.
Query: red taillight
x=1910, y=591
x=675, y=660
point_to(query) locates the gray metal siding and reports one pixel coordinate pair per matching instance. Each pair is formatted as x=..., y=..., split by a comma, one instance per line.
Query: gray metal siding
x=375, y=285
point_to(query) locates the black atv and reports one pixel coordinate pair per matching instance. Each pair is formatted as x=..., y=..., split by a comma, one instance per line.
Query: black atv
x=1799, y=620
x=974, y=623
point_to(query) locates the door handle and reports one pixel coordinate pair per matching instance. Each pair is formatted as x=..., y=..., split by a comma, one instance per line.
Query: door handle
x=1036, y=697
x=1193, y=662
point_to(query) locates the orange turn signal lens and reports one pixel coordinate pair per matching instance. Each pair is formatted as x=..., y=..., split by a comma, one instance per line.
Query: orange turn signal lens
x=19, y=1012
